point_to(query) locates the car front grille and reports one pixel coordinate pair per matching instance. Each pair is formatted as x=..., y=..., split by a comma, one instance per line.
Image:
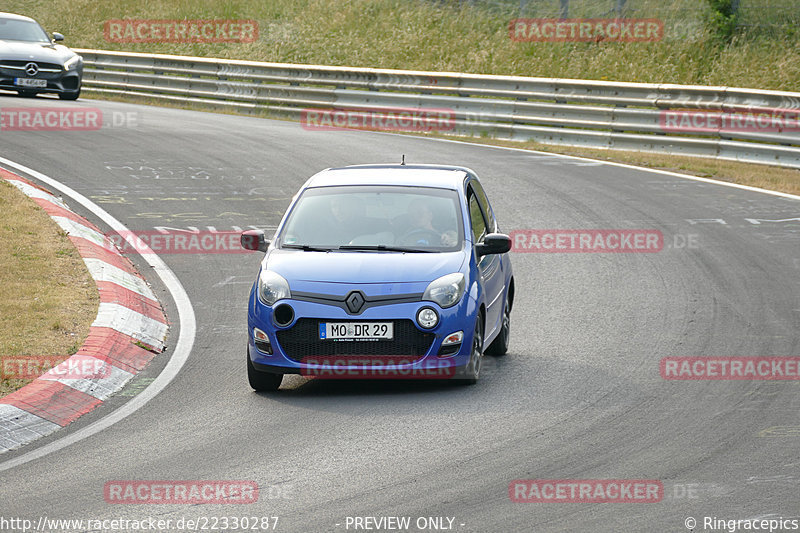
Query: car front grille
x=302, y=340
x=18, y=65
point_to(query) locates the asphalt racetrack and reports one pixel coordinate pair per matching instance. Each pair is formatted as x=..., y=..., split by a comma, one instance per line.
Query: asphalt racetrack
x=579, y=397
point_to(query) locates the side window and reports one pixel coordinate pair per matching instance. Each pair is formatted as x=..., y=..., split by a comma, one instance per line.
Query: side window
x=487, y=209
x=476, y=218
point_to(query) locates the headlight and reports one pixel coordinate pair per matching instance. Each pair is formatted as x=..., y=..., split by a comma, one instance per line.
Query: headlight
x=272, y=287
x=446, y=291
x=427, y=318
x=72, y=62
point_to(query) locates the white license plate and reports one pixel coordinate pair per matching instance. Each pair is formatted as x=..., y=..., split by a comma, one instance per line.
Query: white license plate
x=30, y=82
x=356, y=330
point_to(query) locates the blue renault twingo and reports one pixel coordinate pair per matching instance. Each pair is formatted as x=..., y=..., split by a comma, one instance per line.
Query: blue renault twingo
x=381, y=271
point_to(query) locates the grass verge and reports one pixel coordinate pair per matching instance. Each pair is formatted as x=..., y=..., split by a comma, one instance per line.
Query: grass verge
x=461, y=36
x=47, y=298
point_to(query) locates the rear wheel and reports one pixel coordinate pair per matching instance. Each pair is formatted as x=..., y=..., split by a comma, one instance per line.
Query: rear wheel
x=262, y=381
x=472, y=372
x=499, y=345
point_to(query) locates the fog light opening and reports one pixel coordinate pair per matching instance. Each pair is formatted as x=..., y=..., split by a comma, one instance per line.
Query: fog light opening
x=283, y=315
x=427, y=318
x=262, y=341
x=451, y=344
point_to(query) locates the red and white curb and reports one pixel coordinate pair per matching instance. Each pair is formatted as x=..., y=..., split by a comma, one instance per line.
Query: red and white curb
x=129, y=330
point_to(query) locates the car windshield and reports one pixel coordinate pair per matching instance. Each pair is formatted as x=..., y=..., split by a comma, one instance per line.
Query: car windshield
x=390, y=218
x=22, y=30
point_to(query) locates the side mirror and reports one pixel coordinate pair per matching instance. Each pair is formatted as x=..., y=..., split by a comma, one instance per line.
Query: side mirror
x=493, y=243
x=254, y=240
x=57, y=37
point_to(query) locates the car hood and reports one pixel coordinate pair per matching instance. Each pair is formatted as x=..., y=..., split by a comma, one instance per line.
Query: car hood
x=363, y=267
x=24, y=51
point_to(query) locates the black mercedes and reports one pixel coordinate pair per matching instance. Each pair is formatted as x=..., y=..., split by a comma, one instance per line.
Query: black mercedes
x=32, y=63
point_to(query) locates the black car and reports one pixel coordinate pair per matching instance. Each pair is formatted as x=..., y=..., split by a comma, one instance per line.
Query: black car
x=32, y=63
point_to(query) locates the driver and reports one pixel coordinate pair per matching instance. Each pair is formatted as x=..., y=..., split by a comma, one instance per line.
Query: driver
x=422, y=230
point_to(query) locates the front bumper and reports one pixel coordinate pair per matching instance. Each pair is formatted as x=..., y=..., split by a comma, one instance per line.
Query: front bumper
x=413, y=353
x=65, y=81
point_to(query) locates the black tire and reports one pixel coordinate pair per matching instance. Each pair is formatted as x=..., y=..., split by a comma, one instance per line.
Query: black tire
x=499, y=345
x=71, y=95
x=262, y=381
x=472, y=372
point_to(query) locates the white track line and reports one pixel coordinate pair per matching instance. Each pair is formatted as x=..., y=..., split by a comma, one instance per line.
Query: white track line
x=613, y=163
x=183, y=347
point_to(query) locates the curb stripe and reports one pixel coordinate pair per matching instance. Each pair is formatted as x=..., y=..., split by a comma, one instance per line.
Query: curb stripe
x=52, y=401
x=129, y=322
x=18, y=427
x=36, y=192
x=119, y=349
x=101, y=388
x=57, y=211
x=102, y=271
x=90, y=250
x=128, y=314
x=114, y=294
x=73, y=229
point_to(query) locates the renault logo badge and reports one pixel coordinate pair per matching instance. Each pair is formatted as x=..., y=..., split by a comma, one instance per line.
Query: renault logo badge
x=355, y=301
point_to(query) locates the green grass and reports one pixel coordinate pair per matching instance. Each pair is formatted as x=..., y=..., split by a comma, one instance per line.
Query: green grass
x=448, y=35
x=47, y=298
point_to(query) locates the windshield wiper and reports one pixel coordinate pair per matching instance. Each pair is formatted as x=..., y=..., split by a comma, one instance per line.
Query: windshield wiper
x=307, y=247
x=383, y=248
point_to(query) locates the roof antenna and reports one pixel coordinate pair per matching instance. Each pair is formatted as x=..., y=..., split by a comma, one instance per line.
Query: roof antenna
x=403, y=159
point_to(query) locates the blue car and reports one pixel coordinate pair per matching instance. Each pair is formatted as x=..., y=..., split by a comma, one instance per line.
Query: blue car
x=381, y=271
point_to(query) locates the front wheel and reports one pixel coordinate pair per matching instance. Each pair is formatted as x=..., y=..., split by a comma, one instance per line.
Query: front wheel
x=472, y=372
x=262, y=381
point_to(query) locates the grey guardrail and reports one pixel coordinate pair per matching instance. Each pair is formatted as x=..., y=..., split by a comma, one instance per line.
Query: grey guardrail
x=748, y=125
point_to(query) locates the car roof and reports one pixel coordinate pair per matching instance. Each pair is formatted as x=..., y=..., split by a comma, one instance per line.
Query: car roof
x=436, y=176
x=14, y=16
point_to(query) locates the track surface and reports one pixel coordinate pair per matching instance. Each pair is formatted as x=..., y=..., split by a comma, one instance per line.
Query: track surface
x=578, y=397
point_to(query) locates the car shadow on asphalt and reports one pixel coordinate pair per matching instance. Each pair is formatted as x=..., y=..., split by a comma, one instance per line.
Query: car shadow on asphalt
x=299, y=386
